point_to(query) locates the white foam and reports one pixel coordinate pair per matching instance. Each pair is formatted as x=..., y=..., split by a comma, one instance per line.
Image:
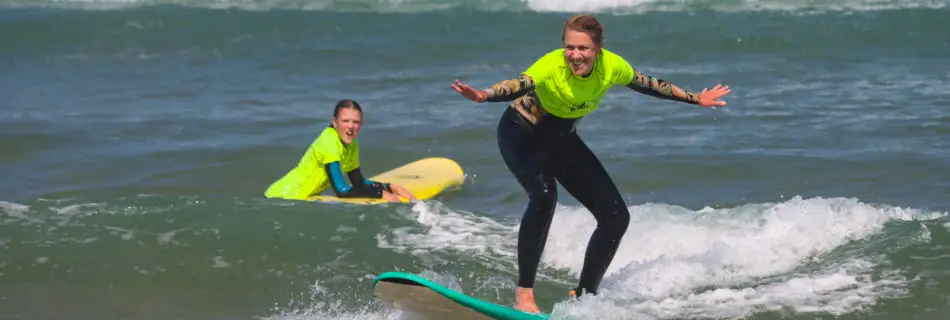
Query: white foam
x=599, y=6
x=443, y=229
x=333, y=309
x=640, y=6
x=15, y=211
x=845, y=288
x=327, y=305
x=582, y=6
x=168, y=237
x=675, y=262
x=754, y=240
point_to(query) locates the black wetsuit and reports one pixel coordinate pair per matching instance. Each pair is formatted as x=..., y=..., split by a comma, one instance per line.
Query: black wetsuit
x=538, y=155
x=539, y=149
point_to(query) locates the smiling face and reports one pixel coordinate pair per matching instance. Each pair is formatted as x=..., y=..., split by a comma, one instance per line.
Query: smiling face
x=347, y=124
x=580, y=51
x=583, y=38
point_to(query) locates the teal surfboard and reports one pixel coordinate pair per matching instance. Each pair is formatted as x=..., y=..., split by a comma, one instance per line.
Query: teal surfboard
x=422, y=297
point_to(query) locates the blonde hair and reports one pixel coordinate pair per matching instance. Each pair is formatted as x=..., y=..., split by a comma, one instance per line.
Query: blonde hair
x=587, y=24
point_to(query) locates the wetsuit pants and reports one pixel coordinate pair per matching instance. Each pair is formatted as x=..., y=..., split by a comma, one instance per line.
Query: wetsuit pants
x=538, y=155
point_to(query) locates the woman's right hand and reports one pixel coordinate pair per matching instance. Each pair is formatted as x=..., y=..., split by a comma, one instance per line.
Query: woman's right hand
x=469, y=92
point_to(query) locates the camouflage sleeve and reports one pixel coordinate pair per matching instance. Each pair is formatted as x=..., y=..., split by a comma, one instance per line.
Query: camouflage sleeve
x=508, y=90
x=661, y=89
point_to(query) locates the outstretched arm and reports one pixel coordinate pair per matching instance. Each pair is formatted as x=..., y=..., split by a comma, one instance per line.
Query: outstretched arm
x=660, y=88
x=664, y=90
x=505, y=90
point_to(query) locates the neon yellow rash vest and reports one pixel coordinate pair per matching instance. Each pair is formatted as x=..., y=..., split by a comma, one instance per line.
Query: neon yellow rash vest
x=309, y=176
x=565, y=95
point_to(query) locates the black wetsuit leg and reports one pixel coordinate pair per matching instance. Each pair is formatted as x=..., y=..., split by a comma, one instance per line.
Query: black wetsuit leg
x=529, y=162
x=552, y=151
x=584, y=177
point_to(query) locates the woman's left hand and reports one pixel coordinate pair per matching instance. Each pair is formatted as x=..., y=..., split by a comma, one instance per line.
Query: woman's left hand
x=402, y=192
x=389, y=196
x=710, y=97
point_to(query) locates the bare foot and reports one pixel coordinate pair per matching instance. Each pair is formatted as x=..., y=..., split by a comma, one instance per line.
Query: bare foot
x=524, y=300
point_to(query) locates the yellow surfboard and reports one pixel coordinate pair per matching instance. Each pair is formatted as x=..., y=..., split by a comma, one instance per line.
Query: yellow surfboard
x=425, y=178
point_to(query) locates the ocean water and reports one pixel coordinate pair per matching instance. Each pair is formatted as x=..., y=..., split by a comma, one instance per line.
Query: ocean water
x=137, y=139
